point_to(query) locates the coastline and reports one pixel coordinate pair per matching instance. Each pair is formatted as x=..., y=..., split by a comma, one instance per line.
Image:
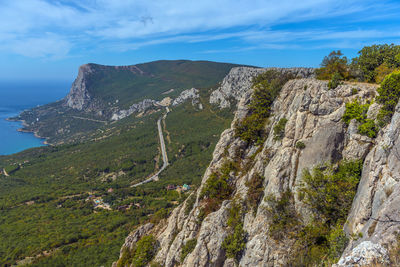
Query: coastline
x=23, y=130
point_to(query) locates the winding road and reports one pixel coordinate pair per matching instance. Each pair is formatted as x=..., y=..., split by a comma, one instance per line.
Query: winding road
x=163, y=152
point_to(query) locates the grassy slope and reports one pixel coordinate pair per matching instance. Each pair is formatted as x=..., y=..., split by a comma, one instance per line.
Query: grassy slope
x=69, y=225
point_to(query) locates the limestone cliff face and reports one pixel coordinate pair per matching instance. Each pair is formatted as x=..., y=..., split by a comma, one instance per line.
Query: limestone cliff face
x=314, y=117
x=239, y=81
x=79, y=97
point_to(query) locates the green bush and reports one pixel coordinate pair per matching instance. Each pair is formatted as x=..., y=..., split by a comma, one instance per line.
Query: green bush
x=217, y=187
x=354, y=110
x=337, y=241
x=266, y=88
x=255, y=190
x=372, y=57
x=368, y=128
x=187, y=248
x=279, y=129
x=235, y=242
x=389, y=95
x=335, y=81
x=300, y=145
x=141, y=254
x=284, y=219
x=329, y=191
x=333, y=64
x=145, y=250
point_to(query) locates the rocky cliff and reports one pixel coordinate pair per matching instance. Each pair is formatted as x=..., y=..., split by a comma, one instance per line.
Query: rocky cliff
x=239, y=81
x=79, y=97
x=313, y=116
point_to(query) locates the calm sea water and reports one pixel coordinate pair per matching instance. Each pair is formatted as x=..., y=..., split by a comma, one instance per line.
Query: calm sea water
x=18, y=96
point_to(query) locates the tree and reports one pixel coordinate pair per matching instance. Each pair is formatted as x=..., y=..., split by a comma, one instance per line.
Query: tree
x=389, y=95
x=372, y=57
x=335, y=62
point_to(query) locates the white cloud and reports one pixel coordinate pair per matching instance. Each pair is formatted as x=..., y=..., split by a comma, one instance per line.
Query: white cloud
x=40, y=28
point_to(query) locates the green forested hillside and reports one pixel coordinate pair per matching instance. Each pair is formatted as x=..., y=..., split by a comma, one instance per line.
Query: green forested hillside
x=113, y=88
x=45, y=204
x=132, y=84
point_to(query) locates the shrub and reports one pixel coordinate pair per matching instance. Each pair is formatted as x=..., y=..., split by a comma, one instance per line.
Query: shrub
x=334, y=63
x=266, y=88
x=188, y=248
x=141, y=254
x=368, y=128
x=145, y=250
x=311, y=245
x=337, y=242
x=255, y=190
x=354, y=110
x=382, y=71
x=279, y=129
x=335, y=81
x=235, y=242
x=329, y=191
x=284, y=219
x=389, y=94
x=216, y=187
x=300, y=145
x=159, y=215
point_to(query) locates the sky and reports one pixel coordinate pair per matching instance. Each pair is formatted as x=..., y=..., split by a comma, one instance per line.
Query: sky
x=49, y=40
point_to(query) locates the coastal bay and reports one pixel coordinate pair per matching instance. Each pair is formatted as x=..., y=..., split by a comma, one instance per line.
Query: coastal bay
x=17, y=96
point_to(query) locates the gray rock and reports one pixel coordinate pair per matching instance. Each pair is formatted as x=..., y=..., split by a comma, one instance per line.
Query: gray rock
x=142, y=106
x=239, y=81
x=79, y=97
x=365, y=254
x=185, y=95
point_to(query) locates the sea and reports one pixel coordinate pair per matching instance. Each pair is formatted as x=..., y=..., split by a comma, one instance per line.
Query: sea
x=17, y=96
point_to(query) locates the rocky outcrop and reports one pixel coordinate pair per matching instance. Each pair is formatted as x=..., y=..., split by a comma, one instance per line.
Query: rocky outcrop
x=79, y=97
x=186, y=95
x=365, y=254
x=314, y=117
x=135, y=108
x=239, y=81
x=148, y=104
x=375, y=212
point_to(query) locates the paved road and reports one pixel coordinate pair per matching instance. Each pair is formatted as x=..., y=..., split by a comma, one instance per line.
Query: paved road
x=163, y=152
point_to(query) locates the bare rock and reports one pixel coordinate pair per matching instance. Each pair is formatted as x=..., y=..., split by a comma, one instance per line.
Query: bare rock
x=186, y=95
x=365, y=254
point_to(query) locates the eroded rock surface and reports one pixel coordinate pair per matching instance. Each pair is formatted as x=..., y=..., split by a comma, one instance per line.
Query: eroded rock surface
x=239, y=81
x=314, y=117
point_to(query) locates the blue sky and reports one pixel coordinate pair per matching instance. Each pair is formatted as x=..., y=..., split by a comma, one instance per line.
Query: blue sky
x=42, y=39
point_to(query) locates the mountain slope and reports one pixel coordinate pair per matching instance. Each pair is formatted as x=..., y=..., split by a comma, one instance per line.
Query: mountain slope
x=255, y=204
x=100, y=91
